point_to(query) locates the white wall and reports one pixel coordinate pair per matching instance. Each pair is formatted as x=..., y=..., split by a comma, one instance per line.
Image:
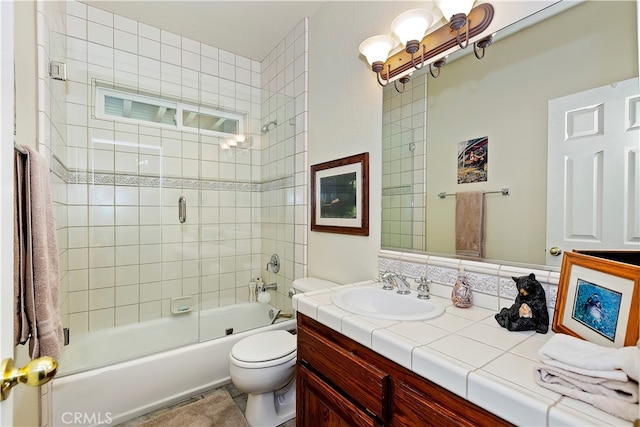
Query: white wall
x=345, y=118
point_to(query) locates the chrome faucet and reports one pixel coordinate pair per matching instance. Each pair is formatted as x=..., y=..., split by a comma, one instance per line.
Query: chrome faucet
x=389, y=277
x=423, y=287
x=403, y=285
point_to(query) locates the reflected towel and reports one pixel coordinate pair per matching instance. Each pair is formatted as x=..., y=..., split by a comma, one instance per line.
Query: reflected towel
x=470, y=223
x=619, y=398
x=587, y=358
x=38, y=278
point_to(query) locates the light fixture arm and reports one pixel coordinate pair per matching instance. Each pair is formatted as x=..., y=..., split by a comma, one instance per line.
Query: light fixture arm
x=482, y=44
x=412, y=47
x=438, y=65
x=377, y=67
x=404, y=80
x=458, y=21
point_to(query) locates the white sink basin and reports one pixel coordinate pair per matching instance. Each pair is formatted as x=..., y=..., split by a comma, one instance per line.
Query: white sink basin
x=382, y=304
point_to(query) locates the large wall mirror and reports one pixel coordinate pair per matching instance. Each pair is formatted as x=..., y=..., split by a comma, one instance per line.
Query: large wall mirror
x=503, y=97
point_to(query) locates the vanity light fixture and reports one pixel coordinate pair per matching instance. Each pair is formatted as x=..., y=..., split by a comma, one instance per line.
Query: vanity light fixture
x=420, y=50
x=456, y=12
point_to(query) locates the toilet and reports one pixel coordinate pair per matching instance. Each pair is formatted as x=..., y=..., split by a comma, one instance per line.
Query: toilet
x=263, y=366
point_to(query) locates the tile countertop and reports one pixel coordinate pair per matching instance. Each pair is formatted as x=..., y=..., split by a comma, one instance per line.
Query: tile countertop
x=468, y=353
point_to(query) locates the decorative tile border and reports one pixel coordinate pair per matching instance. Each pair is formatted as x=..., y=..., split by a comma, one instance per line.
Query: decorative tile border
x=393, y=191
x=75, y=177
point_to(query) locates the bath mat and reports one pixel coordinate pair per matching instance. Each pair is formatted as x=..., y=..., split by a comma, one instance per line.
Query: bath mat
x=215, y=409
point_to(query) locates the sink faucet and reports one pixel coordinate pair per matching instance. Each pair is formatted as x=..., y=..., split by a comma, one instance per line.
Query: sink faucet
x=403, y=285
x=389, y=277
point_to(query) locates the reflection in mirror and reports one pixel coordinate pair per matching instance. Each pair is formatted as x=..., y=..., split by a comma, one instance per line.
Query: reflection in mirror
x=504, y=97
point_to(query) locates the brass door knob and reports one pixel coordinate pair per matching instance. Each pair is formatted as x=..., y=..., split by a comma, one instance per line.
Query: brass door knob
x=555, y=251
x=35, y=373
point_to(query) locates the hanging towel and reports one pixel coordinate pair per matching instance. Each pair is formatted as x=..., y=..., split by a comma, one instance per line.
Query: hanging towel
x=470, y=223
x=619, y=398
x=37, y=272
x=587, y=358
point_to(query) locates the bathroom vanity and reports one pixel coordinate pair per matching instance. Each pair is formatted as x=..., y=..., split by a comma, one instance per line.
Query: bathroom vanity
x=342, y=382
x=460, y=368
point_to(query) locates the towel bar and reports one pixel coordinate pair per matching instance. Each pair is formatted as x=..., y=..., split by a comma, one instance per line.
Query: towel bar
x=505, y=192
x=19, y=149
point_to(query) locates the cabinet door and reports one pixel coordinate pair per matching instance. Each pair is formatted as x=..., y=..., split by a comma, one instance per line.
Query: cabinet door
x=412, y=407
x=320, y=405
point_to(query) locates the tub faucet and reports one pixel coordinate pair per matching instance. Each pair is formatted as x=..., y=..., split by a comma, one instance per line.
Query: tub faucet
x=270, y=286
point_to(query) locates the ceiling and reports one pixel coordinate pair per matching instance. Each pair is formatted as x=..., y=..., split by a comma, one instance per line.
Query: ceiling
x=248, y=28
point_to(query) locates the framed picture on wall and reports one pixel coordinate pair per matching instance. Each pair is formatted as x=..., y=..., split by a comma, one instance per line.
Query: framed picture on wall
x=340, y=195
x=598, y=300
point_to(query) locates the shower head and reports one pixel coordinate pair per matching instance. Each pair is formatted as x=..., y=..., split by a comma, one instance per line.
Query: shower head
x=272, y=124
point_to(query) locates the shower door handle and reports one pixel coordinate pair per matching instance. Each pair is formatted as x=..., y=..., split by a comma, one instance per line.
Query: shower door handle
x=182, y=209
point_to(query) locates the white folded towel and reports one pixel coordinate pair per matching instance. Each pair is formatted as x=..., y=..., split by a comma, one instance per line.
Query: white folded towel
x=590, y=359
x=626, y=391
x=619, y=398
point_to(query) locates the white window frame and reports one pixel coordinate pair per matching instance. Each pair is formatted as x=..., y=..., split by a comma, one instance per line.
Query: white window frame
x=102, y=92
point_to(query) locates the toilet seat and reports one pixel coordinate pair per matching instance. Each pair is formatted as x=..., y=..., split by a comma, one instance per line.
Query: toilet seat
x=264, y=349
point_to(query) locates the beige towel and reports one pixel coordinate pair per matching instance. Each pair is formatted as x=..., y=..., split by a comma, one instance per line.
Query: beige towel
x=38, y=277
x=619, y=398
x=470, y=223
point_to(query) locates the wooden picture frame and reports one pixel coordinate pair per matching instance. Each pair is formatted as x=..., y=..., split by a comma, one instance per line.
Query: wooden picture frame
x=340, y=195
x=598, y=300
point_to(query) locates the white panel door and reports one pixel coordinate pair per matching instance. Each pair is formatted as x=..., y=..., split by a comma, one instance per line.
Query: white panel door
x=6, y=195
x=593, y=170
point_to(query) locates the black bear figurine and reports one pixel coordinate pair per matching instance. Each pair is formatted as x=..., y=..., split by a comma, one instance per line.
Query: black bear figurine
x=529, y=312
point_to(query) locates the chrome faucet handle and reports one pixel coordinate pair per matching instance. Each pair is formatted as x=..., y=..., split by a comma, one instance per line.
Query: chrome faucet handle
x=423, y=287
x=385, y=278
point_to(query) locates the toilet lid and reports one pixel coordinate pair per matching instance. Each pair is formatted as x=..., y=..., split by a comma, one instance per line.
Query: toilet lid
x=264, y=346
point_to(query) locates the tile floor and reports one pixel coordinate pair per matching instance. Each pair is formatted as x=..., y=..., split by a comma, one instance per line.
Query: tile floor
x=238, y=397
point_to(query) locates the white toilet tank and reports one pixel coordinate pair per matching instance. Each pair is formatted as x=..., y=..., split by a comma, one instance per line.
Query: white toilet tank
x=308, y=284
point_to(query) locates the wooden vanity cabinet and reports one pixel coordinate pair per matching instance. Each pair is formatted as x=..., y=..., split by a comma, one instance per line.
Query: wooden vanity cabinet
x=342, y=383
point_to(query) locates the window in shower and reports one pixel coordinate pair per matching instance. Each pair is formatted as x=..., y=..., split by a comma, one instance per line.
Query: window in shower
x=131, y=107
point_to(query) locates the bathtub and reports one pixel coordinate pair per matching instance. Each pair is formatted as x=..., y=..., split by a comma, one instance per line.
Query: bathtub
x=128, y=388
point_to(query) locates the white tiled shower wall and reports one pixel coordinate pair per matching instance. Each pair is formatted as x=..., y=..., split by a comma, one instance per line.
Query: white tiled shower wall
x=127, y=255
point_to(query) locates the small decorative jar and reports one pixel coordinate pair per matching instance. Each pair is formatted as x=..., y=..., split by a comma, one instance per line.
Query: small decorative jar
x=461, y=295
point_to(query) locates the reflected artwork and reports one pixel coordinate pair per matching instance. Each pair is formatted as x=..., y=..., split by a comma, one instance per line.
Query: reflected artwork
x=472, y=160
